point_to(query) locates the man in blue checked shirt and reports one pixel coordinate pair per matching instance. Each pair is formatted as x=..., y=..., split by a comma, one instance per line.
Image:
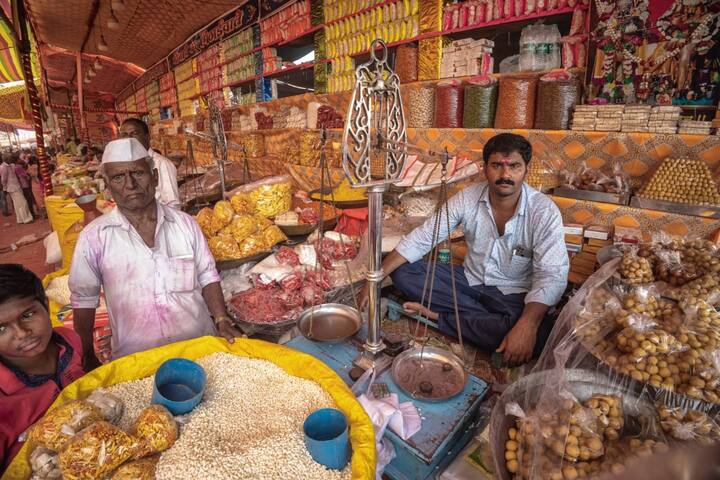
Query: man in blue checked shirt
x=516, y=266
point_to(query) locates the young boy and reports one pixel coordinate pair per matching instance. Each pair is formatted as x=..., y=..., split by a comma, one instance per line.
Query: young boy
x=36, y=361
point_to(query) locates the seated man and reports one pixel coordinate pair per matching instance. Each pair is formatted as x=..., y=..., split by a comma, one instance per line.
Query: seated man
x=36, y=361
x=516, y=266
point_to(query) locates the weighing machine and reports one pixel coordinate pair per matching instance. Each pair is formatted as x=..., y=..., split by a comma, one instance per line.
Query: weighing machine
x=374, y=148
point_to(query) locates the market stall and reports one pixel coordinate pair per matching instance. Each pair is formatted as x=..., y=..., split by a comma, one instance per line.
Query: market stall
x=308, y=150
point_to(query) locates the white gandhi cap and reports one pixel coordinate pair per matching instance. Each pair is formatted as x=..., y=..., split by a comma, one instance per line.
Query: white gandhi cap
x=124, y=150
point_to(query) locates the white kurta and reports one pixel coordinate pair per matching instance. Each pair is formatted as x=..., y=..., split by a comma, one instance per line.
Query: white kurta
x=11, y=185
x=153, y=295
x=167, y=189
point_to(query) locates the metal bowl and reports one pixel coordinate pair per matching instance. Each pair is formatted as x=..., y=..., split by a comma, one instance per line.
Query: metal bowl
x=439, y=363
x=306, y=228
x=582, y=384
x=360, y=203
x=329, y=322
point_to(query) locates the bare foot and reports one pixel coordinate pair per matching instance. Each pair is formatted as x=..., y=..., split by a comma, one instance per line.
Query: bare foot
x=416, y=307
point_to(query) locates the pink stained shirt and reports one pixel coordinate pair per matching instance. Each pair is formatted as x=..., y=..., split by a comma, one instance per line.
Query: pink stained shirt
x=24, y=400
x=153, y=295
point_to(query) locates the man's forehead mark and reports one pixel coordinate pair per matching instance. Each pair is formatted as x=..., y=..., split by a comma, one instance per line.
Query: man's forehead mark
x=507, y=161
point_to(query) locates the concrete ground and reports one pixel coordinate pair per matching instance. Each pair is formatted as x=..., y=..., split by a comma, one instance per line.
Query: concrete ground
x=31, y=255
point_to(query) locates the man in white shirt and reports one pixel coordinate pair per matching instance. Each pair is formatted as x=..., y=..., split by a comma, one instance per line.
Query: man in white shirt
x=167, y=190
x=152, y=262
x=12, y=189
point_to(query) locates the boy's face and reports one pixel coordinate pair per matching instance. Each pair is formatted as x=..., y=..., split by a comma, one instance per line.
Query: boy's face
x=25, y=328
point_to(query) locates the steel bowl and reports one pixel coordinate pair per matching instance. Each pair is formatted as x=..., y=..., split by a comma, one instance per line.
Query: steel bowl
x=448, y=363
x=329, y=322
x=582, y=384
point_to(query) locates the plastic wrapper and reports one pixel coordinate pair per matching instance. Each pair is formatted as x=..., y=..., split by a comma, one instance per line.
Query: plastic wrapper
x=272, y=236
x=449, y=105
x=143, y=469
x=224, y=212
x=406, y=63
x=480, y=102
x=578, y=21
x=45, y=465
x=59, y=425
x=242, y=204
x=270, y=196
x=110, y=407
x=205, y=219
x=224, y=247
x=95, y=452
x=242, y=226
x=688, y=425
x=557, y=96
x=516, y=102
x=251, y=245
x=155, y=430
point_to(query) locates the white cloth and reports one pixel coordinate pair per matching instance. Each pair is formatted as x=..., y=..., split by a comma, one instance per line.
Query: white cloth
x=167, y=189
x=22, y=212
x=10, y=181
x=153, y=295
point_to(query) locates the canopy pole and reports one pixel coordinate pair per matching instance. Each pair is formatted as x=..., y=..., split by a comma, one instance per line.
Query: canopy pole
x=81, y=100
x=24, y=49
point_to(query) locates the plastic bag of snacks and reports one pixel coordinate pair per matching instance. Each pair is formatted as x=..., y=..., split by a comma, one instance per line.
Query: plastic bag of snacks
x=205, y=219
x=224, y=212
x=516, y=101
x=58, y=426
x=242, y=204
x=44, y=464
x=95, y=452
x=242, y=226
x=143, y=469
x=270, y=196
x=688, y=425
x=155, y=430
x=251, y=245
x=224, y=247
x=272, y=235
x=110, y=407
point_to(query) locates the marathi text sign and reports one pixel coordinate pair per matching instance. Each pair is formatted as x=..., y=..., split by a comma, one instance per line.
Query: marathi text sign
x=217, y=31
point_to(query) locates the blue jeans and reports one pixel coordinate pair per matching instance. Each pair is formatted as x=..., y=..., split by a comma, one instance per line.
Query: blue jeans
x=486, y=315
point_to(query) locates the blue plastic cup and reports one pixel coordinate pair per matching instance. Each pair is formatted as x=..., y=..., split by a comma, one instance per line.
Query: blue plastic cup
x=179, y=385
x=326, y=438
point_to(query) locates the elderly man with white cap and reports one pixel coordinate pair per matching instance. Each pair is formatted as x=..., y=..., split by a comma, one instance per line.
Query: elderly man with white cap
x=152, y=262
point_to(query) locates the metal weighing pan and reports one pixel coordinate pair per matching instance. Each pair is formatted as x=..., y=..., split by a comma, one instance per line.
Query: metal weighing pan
x=582, y=384
x=315, y=196
x=306, y=229
x=331, y=322
x=440, y=364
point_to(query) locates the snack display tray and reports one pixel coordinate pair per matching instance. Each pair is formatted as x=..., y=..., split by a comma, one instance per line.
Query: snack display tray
x=708, y=211
x=616, y=198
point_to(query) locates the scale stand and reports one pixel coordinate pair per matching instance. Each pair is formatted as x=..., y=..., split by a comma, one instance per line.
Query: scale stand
x=375, y=116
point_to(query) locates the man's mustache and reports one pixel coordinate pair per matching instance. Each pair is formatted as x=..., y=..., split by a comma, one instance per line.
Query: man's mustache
x=504, y=181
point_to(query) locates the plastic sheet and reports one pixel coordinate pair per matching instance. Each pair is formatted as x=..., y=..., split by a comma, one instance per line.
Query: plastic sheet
x=516, y=102
x=480, y=103
x=449, y=105
x=556, y=99
x=421, y=107
x=270, y=196
x=406, y=63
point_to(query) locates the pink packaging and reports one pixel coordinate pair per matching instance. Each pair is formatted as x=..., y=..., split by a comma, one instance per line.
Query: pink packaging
x=519, y=7
x=541, y=5
x=464, y=13
x=580, y=54
x=455, y=18
x=530, y=6
x=572, y=3
x=552, y=4
x=509, y=11
x=578, y=21
x=481, y=13
x=497, y=9
x=447, y=18
x=562, y=3
x=567, y=56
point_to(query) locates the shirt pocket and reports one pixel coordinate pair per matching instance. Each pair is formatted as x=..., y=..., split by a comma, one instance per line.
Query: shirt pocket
x=181, y=275
x=519, y=266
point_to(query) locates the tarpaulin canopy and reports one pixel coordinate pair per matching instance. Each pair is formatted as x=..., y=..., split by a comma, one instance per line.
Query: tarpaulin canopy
x=14, y=108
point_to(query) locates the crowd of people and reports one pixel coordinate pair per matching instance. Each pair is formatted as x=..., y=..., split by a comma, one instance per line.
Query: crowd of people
x=18, y=170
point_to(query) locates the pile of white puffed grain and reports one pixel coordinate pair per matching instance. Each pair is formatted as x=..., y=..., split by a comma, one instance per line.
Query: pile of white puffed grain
x=248, y=426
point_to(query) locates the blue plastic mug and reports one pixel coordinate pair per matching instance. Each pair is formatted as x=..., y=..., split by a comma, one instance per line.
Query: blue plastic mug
x=326, y=438
x=179, y=385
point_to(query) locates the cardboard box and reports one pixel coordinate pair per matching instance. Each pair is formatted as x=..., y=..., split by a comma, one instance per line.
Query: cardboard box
x=583, y=269
x=575, y=239
x=578, y=264
x=591, y=248
x=599, y=243
x=573, y=229
x=571, y=247
x=627, y=235
x=599, y=232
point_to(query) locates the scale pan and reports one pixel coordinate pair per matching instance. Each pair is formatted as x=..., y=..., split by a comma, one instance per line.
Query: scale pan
x=429, y=374
x=331, y=322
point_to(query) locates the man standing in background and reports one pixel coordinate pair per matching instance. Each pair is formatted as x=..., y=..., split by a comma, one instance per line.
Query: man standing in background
x=167, y=190
x=11, y=188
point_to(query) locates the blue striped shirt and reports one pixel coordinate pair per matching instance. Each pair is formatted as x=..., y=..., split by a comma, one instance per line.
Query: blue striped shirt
x=530, y=257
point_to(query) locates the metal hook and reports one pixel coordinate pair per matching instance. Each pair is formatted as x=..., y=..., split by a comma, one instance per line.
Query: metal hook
x=384, y=50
